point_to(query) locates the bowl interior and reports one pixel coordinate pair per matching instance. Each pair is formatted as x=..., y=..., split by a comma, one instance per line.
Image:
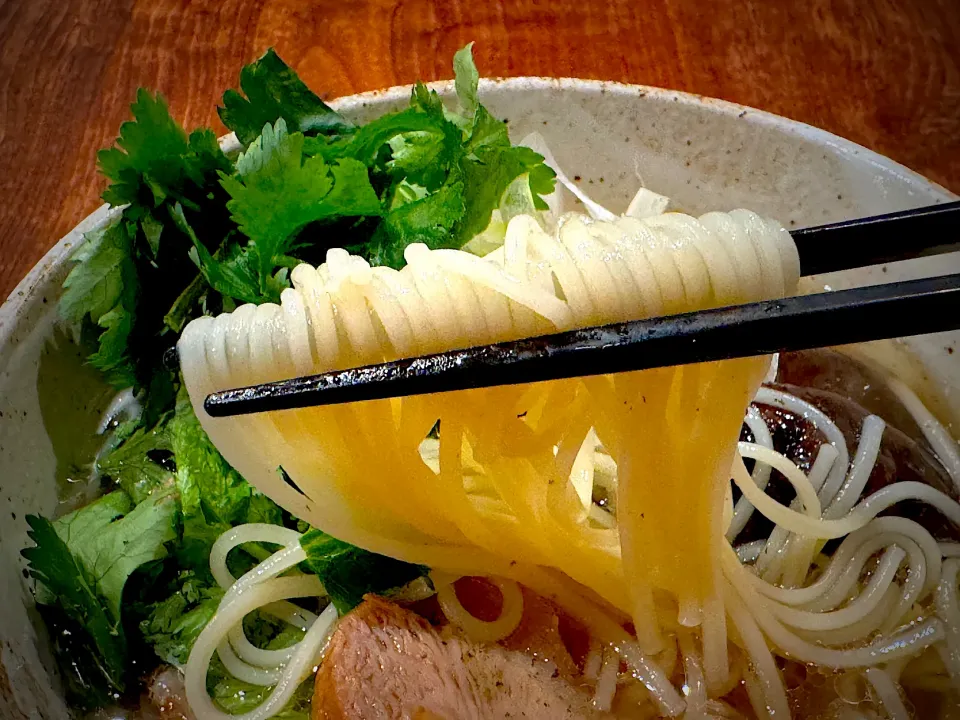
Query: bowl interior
x=703, y=153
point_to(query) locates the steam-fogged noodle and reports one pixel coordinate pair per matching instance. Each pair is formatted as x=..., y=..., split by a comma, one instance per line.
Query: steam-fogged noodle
x=507, y=489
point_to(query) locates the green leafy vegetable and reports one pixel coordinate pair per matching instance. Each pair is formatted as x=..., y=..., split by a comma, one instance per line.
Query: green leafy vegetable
x=135, y=465
x=98, y=665
x=155, y=159
x=213, y=496
x=130, y=275
x=275, y=92
x=110, y=540
x=102, y=287
x=278, y=191
x=83, y=562
x=198, y=233
x=237, y=697
x=467, y=79
x=348, y=573
x=174, y=624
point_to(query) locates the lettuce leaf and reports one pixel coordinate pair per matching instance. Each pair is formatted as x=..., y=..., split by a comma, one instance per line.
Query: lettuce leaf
x=348, y=573
x=213, y=496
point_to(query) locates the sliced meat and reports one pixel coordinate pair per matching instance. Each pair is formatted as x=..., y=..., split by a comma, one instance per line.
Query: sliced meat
x=901, y=458
x=545, y=631
x=386, y=663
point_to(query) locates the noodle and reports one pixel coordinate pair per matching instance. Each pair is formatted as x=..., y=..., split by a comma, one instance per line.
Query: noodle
x=231, y=614
x=888, y=693
x=606, y=680
x=507, y=490
x=481, y=630
x=943, y=445
x=948, y=610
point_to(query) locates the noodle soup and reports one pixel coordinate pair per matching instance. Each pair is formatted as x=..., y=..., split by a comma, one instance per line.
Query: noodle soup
x=741, y=539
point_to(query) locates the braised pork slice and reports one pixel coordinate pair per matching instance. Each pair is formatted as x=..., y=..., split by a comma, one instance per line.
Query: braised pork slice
x=388, y=663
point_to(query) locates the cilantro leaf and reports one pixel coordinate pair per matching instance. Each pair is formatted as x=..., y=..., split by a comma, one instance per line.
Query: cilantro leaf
x=430, y=220
x=273, y=92
x=278, y=191
x=110, y=543
x=488, y=176
x=232, y=274
x=348, y=573
x=102, y=288
x=155, y=160
x=95, y=651
x=136, y=464
x=467, y=79
x=130, y=275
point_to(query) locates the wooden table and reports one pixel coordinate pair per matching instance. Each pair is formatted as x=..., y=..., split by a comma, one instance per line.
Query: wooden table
x=884, y=73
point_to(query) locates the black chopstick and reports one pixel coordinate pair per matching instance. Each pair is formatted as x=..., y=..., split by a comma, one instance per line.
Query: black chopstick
x=904, y=235
x=913, y=307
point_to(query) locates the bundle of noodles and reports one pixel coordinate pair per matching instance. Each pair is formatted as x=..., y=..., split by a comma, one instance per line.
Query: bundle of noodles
x=359, y=472
x=506, y=490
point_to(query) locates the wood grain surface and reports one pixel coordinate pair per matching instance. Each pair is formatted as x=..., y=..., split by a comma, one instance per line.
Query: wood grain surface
x=884, y=73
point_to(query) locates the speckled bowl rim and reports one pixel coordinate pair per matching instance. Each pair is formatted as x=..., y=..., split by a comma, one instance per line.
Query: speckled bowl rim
x=60, y=253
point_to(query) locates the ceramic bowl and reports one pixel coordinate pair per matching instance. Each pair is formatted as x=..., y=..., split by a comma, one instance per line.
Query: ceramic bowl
x=705, y=154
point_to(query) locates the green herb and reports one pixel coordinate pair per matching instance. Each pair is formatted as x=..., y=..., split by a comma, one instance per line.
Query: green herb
x=197, y=233
x=136, y=465
x=111, y=540
x=273, y=92
x=103, y=287
x=278, y=191
x=94, y=659
x=237, y=697
x=467, y=79
x=130, y=275
x=348, y=573
x=83, y=562
x=174, y=624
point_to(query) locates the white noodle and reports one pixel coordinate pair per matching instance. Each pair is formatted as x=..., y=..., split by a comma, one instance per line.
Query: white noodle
x=908, y=642
x=888, y=694
x=748, y=552
x=820, y=420
x=277, y=563
x=943, y=445
x=871, y=435
x=478, y=630
x=694, y=687
x=230, y=615
x=765, y=686
x=592, y=662
x=606, y=680
x=761, y=472
x=587, y=272
x=948, y=610
x=950, y=549
x=865, y=602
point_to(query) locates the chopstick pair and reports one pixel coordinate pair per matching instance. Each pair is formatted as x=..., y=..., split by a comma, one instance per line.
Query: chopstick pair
x=913, y=307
